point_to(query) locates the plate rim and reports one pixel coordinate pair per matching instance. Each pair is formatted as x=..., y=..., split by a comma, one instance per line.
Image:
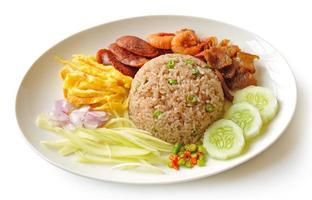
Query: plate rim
x=148, y=182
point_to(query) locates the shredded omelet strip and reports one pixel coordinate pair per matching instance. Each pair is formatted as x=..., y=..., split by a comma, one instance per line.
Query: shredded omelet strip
x=86, y=82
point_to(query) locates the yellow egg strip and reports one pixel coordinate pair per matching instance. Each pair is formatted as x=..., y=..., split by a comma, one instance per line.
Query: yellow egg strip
x=87, y=82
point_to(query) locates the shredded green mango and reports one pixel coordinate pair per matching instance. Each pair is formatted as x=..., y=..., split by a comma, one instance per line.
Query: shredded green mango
x=118, y=142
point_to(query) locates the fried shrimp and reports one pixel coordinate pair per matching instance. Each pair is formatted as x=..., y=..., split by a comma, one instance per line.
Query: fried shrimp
x=161, y=40
x=186, y=42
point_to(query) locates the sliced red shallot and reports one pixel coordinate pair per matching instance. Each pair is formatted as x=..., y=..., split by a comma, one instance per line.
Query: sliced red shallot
x=63, y=106
x=95, y=119
x=58, y=118
x=77, y=116
x=59, y=115
x=83, y=117
x=66, y=116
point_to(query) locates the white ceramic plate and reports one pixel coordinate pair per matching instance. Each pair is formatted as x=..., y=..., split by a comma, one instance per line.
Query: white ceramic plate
x=42, y=85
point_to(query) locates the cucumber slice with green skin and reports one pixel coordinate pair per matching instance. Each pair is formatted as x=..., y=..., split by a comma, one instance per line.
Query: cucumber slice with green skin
x=260, y=97
x=224, y=139
x=247, y=117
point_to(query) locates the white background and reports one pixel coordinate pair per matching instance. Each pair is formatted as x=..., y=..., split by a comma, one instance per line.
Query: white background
x=28, y=28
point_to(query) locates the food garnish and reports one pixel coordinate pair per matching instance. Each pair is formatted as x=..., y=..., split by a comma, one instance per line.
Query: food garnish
x=170, y=64
x=157, y=113
x=87, y=82
x=187, y=156
x=195, y=71
x=189, y=62
x=262, y=98
x=66, y=116
x=172, y=81
x=247, y=117
x=224, y=139
x=117, y=142
x=209, y=107
x=191, y=99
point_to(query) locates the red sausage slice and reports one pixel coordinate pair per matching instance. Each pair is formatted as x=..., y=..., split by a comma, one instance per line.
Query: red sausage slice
x=126, y=57
x=137, y=46
x=106, y=57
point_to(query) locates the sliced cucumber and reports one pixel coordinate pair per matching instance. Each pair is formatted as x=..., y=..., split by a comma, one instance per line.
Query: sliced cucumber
x=247, y=117
x=224, y=139
x=260, y=97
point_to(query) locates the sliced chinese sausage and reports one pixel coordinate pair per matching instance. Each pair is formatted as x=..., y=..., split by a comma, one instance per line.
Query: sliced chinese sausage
x=137, y=46
x=103, y=56
x=106, y=57
x=126, y=57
